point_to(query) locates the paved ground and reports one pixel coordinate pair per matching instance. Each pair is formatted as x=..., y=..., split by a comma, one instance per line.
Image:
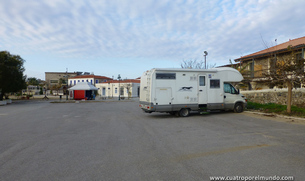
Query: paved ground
x=115, y=140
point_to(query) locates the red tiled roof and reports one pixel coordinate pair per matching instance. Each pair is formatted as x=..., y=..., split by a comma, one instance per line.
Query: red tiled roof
x=123, y=81
x=283, y=46
x=90, y=76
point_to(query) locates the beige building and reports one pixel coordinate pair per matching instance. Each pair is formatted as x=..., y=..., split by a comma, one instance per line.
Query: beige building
x=128, y=88
x=54, y=78
x=255, y=65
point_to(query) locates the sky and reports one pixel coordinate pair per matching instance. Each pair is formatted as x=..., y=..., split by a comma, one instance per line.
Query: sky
x=128, y=37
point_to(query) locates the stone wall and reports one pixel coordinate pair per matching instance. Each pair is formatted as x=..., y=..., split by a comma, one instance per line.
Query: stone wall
x=278, y=96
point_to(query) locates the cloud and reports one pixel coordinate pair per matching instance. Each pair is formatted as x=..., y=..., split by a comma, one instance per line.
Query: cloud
x=160, y=30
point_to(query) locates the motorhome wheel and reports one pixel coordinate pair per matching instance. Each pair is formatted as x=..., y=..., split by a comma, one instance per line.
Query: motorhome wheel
x=238, y=108
x=184, y=112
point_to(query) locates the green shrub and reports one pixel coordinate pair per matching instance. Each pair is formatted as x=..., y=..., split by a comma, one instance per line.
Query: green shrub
x=276, y=108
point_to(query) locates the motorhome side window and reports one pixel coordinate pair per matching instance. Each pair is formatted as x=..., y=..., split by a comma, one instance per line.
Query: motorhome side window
x=228, y=88
x=201, y=80
x=165, y=75
x=214, y=83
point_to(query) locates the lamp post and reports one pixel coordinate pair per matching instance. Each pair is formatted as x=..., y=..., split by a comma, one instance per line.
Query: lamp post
x=67, y=83
x=108, y=89
x=205, y=59
x=119, y=77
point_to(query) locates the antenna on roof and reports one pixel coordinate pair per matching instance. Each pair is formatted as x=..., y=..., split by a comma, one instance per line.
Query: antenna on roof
x=264, y=43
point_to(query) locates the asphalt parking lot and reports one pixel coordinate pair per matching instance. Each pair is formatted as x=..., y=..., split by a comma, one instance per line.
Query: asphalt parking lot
x=115, y=140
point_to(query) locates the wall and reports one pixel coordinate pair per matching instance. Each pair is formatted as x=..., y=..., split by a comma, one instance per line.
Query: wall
x=278, y=96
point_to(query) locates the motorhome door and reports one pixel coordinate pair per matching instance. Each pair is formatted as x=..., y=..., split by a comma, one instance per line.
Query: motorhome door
x=163, y=95
x=202, y=90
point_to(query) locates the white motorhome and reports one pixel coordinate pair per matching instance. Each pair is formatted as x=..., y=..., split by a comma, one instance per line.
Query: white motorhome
x=179, y=91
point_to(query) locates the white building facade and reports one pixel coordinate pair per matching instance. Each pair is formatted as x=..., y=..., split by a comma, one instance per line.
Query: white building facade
x=93, y=79
x=129, y=88
x=31, y=90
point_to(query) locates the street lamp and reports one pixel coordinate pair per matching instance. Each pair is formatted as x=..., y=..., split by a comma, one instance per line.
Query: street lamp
x=205, y=59
x=66, y=84
x=119, y=77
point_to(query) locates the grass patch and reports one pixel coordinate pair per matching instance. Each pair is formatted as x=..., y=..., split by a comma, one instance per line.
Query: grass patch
x=276, y=108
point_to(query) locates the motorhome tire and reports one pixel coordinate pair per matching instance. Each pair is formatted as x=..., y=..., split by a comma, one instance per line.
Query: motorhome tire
x=238, y=108
x=184, y=112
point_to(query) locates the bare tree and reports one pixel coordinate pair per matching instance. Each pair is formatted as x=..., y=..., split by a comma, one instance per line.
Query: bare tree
x=195, y=64
x=128, y=88
x=242, y=68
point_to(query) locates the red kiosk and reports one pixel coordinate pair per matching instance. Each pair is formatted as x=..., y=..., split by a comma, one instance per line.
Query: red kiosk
x=83, y=90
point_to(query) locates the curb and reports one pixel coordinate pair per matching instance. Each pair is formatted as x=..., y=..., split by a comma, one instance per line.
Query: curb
x=275, y=115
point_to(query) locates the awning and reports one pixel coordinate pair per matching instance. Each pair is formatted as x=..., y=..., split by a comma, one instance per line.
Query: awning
x=83, y=86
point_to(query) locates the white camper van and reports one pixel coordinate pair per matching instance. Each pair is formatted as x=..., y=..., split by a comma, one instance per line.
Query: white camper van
x=179, y=91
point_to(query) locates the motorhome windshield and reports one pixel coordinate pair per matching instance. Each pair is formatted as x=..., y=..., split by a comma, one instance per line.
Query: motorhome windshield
x=228, y=88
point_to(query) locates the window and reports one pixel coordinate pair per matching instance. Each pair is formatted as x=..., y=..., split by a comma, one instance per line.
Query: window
x=272, y=63
x=96, y=81
x=201, y=80
x=104, y=91
x=165, y=75
x=54, y=81
x=82, y=80
x=91, y=81
x=299, y=62
x=228, y=88
x=298, y=56
x=251, y=68
x=74, y=82
x=116, y=90
x=214, y=83
x=70, y=82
